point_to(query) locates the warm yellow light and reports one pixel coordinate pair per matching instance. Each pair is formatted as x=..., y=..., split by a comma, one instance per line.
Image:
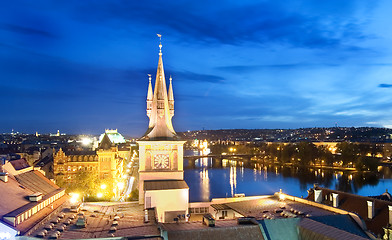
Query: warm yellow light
x=282, y=197
x=103, y=186
x=74, y=197
x=99, y=195
x=120, y=185
x=86, y=141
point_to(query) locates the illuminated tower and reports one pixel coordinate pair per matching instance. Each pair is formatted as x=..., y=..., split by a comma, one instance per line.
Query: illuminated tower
x=161, y=175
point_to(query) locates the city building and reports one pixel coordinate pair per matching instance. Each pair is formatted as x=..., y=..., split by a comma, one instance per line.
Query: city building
x=278, y=216
x=107, y=161
x=161, y=175
x=375, y=211
x=26, y=198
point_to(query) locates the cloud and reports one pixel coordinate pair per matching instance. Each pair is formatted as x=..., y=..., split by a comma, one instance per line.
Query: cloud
x=27, y=30
x=180, y=76
x=385, y=85
x=193, y=76
x=230, y=23
x=252, y=68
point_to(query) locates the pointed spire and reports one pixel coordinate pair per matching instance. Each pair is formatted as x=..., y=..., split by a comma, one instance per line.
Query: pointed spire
x=160, y=126
x=149, y=91
x=149, y=96
x=171, y=97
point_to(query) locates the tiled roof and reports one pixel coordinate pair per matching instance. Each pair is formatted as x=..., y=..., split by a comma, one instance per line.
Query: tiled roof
x=342, y=221
x=12, y=195
x=19, y=164
x=358, y=204
x=273, y=207
x=165, y=185
x=311, y=229
x=29, y=205
x=80, y=153
x=36, y=182
x=222, y=230
x=220, y=206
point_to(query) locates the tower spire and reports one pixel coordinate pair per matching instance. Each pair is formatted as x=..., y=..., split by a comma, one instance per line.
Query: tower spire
x=160, y=44
x=149, y=96
x=160, y=125
x=171, y=97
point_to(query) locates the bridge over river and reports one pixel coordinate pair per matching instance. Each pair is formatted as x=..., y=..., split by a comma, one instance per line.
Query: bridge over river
x=217, y=158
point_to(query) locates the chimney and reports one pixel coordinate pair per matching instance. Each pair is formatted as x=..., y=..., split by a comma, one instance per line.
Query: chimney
x=370, y=205
x=335, y=200
x=390, y=214
x=4, y=176
x=318, y=195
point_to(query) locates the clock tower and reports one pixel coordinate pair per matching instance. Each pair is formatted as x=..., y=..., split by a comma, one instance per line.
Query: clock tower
x=161, y=173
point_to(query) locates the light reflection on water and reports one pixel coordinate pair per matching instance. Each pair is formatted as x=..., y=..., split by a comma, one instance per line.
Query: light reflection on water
x=208, y=179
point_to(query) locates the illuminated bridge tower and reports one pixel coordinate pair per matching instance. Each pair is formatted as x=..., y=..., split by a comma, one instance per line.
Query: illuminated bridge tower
x=161, y=173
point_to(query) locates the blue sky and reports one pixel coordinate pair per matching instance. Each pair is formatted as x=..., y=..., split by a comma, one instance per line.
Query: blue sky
x=81, y=66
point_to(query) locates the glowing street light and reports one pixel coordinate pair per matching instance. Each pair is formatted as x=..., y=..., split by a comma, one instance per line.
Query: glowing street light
x=103, y=186
x=86, y=141
x=120, y=185
x=74, y=197
x=99, y=195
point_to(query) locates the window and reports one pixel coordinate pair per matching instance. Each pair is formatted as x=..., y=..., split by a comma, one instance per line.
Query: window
x=224, y=213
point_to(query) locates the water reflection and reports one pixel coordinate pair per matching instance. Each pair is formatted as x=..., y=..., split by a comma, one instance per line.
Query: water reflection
x=233, y=180
x=209, y=178
x=205, y=184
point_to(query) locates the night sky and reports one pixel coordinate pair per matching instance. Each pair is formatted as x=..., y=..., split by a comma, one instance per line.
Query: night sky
x=81, y=66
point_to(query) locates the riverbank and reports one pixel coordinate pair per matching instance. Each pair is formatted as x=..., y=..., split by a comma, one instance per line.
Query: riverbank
x=317, y=166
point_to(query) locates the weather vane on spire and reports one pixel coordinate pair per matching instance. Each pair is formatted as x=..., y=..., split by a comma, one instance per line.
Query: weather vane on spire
x=160, y=44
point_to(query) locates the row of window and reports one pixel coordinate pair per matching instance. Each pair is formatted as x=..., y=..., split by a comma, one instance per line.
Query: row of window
x=198, y=210
x=76, y=168
x=37, y=208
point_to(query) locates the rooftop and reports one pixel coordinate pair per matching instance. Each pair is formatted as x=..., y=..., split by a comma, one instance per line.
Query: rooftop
x=165, y=185
x=358, y=204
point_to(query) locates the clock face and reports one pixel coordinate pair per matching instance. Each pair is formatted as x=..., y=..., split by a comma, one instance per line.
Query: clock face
x=161, y=161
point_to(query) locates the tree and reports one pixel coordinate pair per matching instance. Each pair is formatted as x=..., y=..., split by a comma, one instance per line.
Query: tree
x=307, y=152
x=325, y=155
x=366, y=163
x=85, y=182
x=348, y=151
x=288, y=153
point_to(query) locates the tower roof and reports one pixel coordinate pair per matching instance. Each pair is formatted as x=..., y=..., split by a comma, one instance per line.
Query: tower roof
x=105, y=143
x=171, y=97
x=114, y=136
x=160, y=126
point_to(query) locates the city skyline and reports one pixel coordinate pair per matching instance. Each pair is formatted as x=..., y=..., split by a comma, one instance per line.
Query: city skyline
x=82, y=67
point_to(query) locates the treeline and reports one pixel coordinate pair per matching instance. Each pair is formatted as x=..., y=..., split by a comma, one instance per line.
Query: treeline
x=362, y=156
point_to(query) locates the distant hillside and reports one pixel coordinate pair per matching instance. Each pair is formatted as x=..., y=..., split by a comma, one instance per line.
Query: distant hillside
x=360, y=134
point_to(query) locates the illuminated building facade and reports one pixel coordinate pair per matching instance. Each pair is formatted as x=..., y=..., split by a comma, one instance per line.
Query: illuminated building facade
x=107, y=161
x=161, y=175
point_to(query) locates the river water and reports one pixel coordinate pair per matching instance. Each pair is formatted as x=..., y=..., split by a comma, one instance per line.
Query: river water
x=207, y=180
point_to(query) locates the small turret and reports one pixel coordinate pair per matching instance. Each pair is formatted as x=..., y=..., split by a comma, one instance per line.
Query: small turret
x=149, y=96
x=171, y=98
